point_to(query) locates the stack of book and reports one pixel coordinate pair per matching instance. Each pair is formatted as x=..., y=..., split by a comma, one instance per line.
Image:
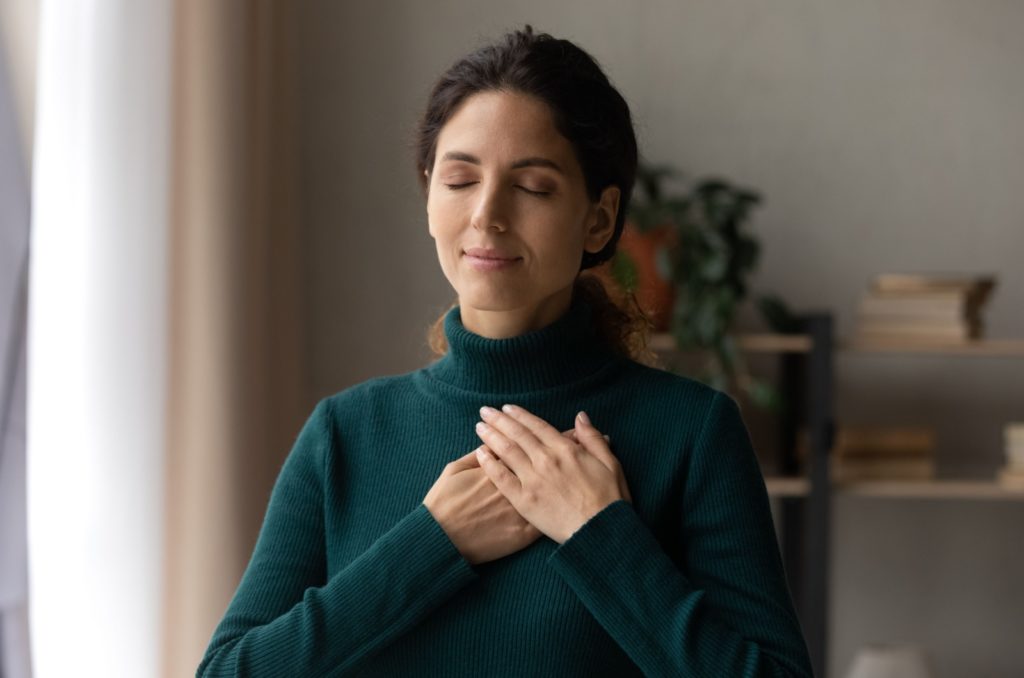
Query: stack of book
x=874, y=453
x=1012, y=475
x=924, y=307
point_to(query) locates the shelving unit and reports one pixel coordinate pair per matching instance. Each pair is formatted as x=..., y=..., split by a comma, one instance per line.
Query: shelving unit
x=779, y=486
x=807, y=376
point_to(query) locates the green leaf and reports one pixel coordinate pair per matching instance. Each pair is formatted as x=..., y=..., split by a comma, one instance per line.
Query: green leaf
x=764, y=395
x=623, y=270
x=714, y=268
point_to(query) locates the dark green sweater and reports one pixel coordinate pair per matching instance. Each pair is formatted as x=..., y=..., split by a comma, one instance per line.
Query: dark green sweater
x=351, y=575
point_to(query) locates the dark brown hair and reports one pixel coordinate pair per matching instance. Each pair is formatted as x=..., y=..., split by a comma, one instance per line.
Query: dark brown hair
x=590, y=113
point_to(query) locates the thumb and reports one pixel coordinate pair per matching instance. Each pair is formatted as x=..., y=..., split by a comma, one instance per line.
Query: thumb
x=571, y=435
x=595, y=443
x=465, y=462
x=591, y=440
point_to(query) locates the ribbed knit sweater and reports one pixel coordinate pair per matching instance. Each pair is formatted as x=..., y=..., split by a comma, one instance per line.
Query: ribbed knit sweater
x=351, y=574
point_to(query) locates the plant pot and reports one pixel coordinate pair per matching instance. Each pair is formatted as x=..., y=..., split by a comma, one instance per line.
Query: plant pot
x=654, y=294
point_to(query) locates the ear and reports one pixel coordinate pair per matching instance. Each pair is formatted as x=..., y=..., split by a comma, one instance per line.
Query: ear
x=602, y=220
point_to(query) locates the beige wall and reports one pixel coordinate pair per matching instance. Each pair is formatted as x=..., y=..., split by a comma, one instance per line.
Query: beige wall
x=885, y=136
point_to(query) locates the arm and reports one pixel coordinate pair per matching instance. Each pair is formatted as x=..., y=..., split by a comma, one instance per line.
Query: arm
x=730, y=614
x=285, y=619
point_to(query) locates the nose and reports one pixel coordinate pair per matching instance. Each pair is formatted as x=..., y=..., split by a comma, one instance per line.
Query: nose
x=489, y=211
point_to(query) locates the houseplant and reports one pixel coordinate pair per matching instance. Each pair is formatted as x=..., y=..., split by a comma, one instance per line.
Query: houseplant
x=707, y=261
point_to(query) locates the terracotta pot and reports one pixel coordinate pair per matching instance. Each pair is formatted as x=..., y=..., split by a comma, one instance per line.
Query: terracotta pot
x=654, y=294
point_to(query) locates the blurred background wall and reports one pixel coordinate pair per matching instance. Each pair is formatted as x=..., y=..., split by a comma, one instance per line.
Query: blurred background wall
x=884, y=137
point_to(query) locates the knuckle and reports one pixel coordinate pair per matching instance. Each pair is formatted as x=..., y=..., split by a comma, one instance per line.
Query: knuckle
x=547, y=463
x=564, y=446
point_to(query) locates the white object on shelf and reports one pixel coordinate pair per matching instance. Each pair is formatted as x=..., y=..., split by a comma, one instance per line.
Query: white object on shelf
x=1014, y=436
x=890, y=660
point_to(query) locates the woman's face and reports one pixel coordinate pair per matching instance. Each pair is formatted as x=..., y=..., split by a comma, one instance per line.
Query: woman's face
x=508, y=208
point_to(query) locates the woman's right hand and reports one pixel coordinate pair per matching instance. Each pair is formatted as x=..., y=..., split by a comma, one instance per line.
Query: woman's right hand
x=478, y=519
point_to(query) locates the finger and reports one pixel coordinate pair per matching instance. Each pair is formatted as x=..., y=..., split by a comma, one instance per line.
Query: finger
x=517, y=432
x=506, y=481
x=592, y=441
x=542, y=431
x=504, y=448
x=466, y=461
x=571, y=435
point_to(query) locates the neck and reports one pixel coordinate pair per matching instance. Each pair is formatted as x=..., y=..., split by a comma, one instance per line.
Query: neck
x=563, y=352
x=514, y=322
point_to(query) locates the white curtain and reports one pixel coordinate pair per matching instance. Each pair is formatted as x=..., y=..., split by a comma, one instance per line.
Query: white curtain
x=14, y=223
x=97, y=337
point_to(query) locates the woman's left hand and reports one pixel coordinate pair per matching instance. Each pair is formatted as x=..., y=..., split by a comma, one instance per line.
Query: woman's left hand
x=555, y=483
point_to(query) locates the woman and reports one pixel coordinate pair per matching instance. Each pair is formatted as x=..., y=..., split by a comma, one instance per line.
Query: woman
x=534, y=552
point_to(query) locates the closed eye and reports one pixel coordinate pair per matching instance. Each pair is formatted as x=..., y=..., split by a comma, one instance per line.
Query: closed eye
x=539, y=194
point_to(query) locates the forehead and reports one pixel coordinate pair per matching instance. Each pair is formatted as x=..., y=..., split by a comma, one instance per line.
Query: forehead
x=501, y=127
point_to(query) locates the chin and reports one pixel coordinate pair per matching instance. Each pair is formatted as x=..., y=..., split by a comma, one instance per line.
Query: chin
x=488, y=304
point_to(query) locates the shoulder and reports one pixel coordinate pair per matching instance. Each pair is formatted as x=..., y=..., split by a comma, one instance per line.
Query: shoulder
x=366, y=397
x=677, y=388
x=691, y=407
x=375, y=387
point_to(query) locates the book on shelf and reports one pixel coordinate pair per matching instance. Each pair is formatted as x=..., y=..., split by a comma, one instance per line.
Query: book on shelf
x=897, y=468
x=955, y=331
x=930, y=306
x=1012, y=479
x=877, y=442
x=879, y=453
x=1013, y=472
x=979, y=285
x=923, y=307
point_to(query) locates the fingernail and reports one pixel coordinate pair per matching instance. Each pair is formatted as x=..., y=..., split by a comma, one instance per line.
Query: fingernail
x=607, y=438
x=582, y=416
x=482, y=427
x=487, y=412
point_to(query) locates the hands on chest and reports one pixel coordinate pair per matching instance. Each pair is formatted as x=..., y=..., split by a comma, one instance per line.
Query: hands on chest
x=526, y=479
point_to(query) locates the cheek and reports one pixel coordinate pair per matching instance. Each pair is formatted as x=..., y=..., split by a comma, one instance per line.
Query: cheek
x=561, y=254
x=442, y=216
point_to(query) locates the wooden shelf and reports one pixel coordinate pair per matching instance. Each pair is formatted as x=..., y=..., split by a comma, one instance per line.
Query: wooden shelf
x=779, y=486
x=931, y=489
x=900, y=489
x=800, y=343
x=751, y=343
x=979, y=347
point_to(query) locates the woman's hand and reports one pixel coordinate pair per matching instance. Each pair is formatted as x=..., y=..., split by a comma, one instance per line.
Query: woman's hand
x=554, y=482
x=479, y=520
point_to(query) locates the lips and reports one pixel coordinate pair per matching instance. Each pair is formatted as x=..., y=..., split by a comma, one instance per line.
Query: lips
x=489, y=253
x=485, y=259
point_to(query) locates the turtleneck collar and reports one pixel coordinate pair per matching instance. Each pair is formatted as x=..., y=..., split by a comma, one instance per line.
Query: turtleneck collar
x=565, y=351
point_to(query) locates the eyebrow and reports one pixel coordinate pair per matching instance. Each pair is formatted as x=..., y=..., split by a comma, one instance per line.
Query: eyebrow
x=534, y=161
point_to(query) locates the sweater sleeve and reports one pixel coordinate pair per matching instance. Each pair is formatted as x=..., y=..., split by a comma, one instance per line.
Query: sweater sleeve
x=287, y=619
x=730, y=612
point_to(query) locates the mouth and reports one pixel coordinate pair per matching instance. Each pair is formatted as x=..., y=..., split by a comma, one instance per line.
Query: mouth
x=489, y=262
x=488, y=253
